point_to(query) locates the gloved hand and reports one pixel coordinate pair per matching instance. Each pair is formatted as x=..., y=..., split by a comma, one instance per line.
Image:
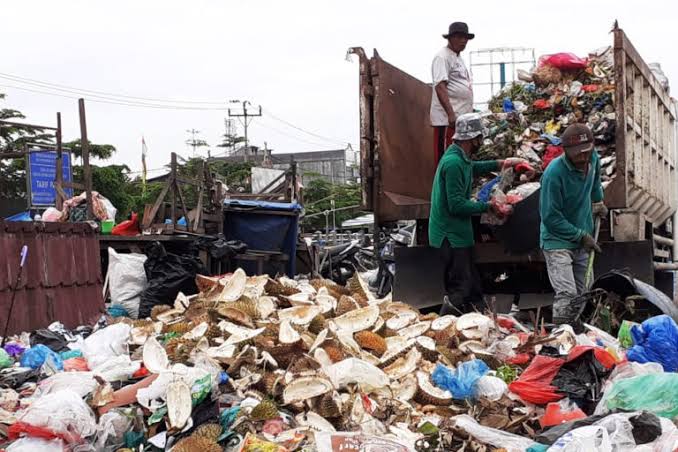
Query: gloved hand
x=599, y=210
x=512, y=162
x=590, y=244
x=500, y=209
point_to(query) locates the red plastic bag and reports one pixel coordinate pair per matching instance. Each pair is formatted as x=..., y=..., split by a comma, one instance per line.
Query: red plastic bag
x=604, y=357
x=552, y=152
x=19, y=429
x=557, y=414
x=127, y=228
x=78, y=364
x=541, y=104
x=590, y=88
x=534, y=384
x=563, y=61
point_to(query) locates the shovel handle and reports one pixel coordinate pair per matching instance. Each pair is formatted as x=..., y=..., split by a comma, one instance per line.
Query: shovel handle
x=592, y=255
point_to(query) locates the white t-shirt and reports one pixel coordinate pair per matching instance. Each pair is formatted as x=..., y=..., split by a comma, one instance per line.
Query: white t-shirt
x=449, y=66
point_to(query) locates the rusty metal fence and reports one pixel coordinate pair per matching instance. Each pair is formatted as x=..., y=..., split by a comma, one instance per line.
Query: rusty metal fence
x=61, y=280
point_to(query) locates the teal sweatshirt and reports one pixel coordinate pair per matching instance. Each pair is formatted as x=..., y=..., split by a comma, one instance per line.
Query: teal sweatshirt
x=565, y=203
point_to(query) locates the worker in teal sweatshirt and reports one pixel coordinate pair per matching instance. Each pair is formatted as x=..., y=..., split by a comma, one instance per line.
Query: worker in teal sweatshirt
x=571, y=196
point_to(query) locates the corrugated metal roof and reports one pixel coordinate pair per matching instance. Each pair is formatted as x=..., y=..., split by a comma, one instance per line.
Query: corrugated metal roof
x=62, y=277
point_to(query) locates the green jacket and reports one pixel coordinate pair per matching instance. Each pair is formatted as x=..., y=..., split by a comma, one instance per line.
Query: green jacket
x=565, y=203
x=451, y=205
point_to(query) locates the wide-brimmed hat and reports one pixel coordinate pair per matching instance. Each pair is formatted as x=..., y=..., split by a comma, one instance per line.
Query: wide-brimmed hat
x=459, y=28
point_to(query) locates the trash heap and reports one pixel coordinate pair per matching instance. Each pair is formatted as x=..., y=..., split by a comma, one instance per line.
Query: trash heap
x=260, y=364
x=527, y=117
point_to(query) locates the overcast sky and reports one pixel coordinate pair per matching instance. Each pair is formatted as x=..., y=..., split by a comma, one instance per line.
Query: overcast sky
x=287, y=56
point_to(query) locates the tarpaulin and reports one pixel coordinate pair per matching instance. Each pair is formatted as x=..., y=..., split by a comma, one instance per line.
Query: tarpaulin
x=258, y=225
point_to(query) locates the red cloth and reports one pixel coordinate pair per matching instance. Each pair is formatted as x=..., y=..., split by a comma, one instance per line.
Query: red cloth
x=552, y=152
x=442, y=139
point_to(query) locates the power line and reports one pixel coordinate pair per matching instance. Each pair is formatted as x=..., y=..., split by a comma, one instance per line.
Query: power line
x=175, y=101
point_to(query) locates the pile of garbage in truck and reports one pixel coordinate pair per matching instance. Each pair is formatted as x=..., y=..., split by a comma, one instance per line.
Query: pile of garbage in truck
x=527, y=117
x=251, y=363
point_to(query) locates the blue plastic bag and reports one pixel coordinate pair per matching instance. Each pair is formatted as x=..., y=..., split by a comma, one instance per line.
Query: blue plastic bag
x=486, y=190
x=35, y=357
x=508, y=105
x=462, y=380
x=656, y=340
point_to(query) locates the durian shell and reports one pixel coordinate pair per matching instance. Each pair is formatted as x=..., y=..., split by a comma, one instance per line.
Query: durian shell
x=327, y=407
x=304, y=364
x=196, y=444
x=274, y=288
x=428, y=394
x=371, y=341
x=208, y=431
x=317, y=324
x=264, y=411
x=272, y=384
x=179, y=328
x=361, y=299
x=428, y=317
x=334, y=351
x=235, y=315
x=333, y=288
x=246, y=305
x=159, y=309
x=345, y=304
x=214, y=332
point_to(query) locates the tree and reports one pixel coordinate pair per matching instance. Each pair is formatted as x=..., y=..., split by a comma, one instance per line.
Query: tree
x=100, y=151
x=318, y=196
x=230, y=141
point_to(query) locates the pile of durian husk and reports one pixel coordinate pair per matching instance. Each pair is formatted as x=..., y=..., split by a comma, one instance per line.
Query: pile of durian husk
x=313, y=356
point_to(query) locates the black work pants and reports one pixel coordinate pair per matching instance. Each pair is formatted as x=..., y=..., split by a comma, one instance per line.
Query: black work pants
x=462, y=281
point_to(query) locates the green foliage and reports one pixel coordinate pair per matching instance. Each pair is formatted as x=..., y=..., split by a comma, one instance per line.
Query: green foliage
x=100, y=151
x=317, y=198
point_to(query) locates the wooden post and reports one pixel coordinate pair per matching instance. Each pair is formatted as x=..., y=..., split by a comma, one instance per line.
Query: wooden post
x=173, y=167
x=59, y=166
x=85, y=158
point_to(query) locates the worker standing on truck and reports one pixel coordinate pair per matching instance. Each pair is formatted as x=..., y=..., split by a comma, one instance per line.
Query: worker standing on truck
x=452, y=91
x=450, y=227
x=571, y=195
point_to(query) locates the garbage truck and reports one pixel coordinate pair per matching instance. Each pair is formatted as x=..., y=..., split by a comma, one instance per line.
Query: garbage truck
x=397, y=166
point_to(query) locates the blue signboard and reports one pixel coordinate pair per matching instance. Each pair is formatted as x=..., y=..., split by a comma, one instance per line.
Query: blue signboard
x=42, y=174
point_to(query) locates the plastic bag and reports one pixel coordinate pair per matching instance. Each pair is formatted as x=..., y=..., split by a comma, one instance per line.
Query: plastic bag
x=167, y=275
x=593, y=438
x=76, y=364
x=36, y=445
x=564, y=61
x=126, y=280
x=492, y=436
x=52, y=215
x=105, y=344
x=628, y=369
x=656, y=341
x=119, y=368
x=534, y=384
x=656, y=393
x=111, y=430
x=62, y=412
x=5, y=360
x=460, y=382
x=55, y=341
x=127, y=228
x=35, y=357
x=83, y=383
x=560, y=412
x=552, y=152
x=646, y=427
x=490, y=388
x=111, y=211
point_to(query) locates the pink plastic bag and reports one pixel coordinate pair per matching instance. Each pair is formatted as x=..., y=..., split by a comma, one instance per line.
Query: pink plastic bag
x=563, y=61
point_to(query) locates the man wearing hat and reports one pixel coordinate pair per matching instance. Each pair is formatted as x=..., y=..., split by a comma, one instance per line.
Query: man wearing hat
x=452, y=91
x=571, y=195
x=450, y=227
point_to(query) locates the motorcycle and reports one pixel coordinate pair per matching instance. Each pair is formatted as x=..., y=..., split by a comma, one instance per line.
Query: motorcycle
x=382, y=282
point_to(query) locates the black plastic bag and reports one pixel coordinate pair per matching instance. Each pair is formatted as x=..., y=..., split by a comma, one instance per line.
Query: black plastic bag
x=50, y=339
x=167, y=275
x=581, y=379
x=219, y=248
x=551, y=435
x=646, y=428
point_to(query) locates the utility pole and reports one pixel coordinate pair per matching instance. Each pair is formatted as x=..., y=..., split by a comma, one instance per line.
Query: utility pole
x=245, y=123
x=230, y=130
x=195, y=142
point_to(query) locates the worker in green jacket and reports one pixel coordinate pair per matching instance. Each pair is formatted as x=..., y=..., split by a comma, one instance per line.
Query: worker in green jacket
x=571, y=196
x=450, y=227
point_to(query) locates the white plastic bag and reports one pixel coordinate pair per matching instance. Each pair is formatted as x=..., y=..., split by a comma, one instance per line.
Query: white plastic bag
x=63, y=412
x=119, y=368
x=83, y=383
x=105, y=344
x=592, y=438
x=126, y=280
x=111, y=211
x=620, y=430
x=492, y=436
x=490, y=388
x=51, y=215
x=36, y=445
x=111, y=431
